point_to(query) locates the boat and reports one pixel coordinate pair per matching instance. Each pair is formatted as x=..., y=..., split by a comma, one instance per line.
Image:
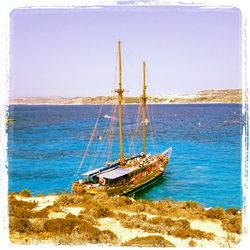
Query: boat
x=125, y=175
x=10, y=120
x=107, y=116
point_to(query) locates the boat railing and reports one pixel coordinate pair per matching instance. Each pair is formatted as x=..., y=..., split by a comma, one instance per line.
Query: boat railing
x=167, y=152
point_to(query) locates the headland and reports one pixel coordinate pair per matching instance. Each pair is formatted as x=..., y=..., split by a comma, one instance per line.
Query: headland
x=206, y=96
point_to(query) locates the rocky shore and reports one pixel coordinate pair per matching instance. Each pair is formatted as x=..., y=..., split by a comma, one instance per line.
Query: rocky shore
x=70, y=219
x=206, y=96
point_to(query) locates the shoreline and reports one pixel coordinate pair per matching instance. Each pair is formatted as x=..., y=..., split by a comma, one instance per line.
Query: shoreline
x=95, y=104
x=119, y=221
x=205, y=96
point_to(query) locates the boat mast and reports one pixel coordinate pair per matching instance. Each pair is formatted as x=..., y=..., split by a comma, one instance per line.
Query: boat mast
x=120, y=92
x=144, y=116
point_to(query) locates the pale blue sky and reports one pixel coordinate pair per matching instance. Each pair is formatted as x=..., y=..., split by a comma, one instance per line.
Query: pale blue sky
x=74, y=52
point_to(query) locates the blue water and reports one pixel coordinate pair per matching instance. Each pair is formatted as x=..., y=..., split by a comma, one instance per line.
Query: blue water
x=46, y=144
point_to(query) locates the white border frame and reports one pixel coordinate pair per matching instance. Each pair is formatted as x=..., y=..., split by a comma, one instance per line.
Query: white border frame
x=5, y=10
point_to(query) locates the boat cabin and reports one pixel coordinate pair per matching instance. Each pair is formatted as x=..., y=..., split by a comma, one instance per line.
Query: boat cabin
x=114, y=177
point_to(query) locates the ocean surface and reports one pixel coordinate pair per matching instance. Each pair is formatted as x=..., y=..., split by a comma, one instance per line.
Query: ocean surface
x=46, y=144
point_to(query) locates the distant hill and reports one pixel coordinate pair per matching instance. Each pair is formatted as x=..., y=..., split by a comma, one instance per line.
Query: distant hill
x=205, y=96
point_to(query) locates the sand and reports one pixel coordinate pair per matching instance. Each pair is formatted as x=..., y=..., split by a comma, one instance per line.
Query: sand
x=221, y=238
x=42, y=202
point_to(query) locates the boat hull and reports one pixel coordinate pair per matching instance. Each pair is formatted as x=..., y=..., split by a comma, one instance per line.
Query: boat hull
x=126, y=189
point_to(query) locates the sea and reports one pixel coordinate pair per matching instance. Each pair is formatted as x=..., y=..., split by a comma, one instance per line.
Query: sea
x=49, y=146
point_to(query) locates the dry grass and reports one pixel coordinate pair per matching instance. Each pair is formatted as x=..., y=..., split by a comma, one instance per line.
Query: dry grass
x=19, y=208
x=29, y=223
x=73, y=199
x=177, y=228
x=232, y=225
x=192, y=243
x=231, y=219
x=25, y=193
x=21, y=225
x=86, y=233
x=149, y=241
x=185, y=233
x=40, y=195
x=88, y=218
x=60, y=225
x=216, y=213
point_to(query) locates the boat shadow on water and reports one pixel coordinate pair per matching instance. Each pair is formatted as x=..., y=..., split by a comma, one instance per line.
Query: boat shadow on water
x=142, y=191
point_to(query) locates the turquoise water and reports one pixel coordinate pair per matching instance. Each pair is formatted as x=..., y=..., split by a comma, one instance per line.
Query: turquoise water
x=46, y=144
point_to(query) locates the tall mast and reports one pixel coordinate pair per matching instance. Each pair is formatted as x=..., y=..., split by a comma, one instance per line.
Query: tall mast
x=120, y=92
x=144, y=115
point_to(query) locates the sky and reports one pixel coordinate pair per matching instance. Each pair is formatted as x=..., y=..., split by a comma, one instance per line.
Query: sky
x=73, y=52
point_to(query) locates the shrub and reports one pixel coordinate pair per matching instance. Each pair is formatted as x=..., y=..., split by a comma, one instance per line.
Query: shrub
x=182, y=224
x=107, y=236
x=40, y=195
x=168, y=222
x=102, y=212
x=192, y=233
x=215, y=213
x=121, y=216
x=233, y=225
x=40, y=214
x=192, y=204
x=149, y=241
x=25, y=193
x=192, y=243
x=123, y=201
x=60, y=225
x=232, y=211
x=87, y=233
x=88, y=218
x=20, y=225
x=73, y=199
x=20, y=208
x=134, y=221
x=161, y=221
x=155, y=220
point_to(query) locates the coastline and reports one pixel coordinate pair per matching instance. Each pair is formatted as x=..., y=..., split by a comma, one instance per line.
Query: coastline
x=83, y=219
x=226, y=96
x=105, y=104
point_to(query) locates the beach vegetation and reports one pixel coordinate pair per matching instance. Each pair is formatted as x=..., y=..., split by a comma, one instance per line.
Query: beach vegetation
x=40, y=195
x=232, y=225
x=60, y=225
x=73, y=199
x=216, y=213
x=149, y=241
x=232, y=211
x=86, y=233
x=192, y=243
x=101, y=212
x=43, y=213
x=21, y=225
x=153, y=217
x=20, y=208
x=25, y=193
x=88, y=218
x=185, y=233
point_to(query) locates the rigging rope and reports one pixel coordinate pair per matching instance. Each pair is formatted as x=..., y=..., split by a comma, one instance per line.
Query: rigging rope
x=90, y=141
x=111, y=132
x=152, y=130
x=131, y=144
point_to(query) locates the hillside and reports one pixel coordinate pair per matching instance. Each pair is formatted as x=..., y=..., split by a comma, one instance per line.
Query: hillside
x=206, y=96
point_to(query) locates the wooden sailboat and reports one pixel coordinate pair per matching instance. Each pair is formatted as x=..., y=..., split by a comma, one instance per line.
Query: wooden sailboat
x=126, y=175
